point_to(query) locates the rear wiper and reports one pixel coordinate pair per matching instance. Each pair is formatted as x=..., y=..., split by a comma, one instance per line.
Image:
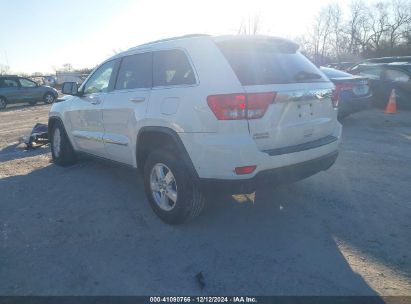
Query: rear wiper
x=303, y=75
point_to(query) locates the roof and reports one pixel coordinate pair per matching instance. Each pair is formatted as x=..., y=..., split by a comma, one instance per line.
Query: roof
x=215, y=38
x=389, y=59
x=377, y=64
x=171, y=39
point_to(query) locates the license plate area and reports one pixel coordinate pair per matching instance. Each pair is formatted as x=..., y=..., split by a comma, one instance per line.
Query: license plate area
x=305, y=111
x=360, y=89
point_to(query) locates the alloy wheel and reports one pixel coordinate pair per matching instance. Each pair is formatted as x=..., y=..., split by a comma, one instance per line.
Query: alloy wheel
x=49, y=98
x=163, y=187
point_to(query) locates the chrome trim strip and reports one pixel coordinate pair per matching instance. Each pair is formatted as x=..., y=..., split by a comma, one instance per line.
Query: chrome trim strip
x=303, y=95
x=114, y=142
x=82, y=135
x=88, y=137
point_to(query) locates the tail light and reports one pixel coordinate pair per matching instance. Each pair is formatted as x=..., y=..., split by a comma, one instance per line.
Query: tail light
x=335, y=97
x=245, y=170
x=240, y=106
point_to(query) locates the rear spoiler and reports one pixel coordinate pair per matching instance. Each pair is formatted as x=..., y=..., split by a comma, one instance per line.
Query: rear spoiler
x=281, y=44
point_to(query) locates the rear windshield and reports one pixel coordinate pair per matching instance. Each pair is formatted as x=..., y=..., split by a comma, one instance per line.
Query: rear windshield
x=333, y=73
x=260, y=63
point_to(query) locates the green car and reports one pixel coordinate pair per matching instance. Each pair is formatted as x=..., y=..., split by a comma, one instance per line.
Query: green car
x=14, y=89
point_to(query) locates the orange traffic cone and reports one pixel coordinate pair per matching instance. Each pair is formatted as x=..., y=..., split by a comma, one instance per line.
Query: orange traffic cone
x=392, y=104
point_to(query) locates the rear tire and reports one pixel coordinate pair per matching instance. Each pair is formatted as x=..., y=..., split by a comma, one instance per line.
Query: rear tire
x=178, y=198
x=62, y=151
x=3, y=103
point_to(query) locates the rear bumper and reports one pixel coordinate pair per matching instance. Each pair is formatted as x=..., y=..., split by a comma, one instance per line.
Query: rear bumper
x=271, y=177
x=215, y=156
x=353, y=105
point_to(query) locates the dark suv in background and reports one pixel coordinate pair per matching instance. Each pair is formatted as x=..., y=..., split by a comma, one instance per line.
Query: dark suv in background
x=14, y=89
x=384, y=77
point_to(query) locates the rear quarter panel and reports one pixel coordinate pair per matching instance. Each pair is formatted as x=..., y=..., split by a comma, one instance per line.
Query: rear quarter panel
x=191, y=112
x=12, y=95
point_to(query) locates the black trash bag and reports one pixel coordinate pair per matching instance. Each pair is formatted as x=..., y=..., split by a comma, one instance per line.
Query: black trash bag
x=38, y=136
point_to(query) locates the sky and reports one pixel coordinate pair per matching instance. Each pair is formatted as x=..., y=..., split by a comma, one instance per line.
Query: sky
x=39, y=36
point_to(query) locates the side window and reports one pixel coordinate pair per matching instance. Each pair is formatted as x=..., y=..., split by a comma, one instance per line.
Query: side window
x=135, y=72
x=9, y=83
x=396, y=75
x=25, y=83
x=373, y=73
x=172, y=68
x=99, y=81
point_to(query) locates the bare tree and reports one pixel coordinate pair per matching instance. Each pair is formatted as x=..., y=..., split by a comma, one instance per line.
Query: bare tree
x=364, y=29
x=357, y=27
x=67, y=67
x=401, y=18
x=4, y=69
x=116, y=51
x=251, y=26
x=335, y=13
x=379, y=24
x=315, y=44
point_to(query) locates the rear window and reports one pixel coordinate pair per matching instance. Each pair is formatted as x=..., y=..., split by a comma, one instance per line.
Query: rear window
x=333, y=73
x=396, y=75
x=261, y=63
x=372, y=73
x=7, y=83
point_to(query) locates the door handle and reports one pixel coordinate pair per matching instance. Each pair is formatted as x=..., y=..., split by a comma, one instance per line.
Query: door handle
x=137, y=99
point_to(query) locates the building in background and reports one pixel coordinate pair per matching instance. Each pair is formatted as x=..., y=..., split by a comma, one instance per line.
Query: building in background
x=62, y=77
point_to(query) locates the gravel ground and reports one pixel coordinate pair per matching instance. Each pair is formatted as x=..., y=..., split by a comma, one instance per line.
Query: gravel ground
x=88, y=229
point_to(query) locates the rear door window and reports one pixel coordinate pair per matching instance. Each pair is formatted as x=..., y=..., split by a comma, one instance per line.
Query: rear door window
x=264, y=62
x=135, y=72
x=172, y=67
x=9, y=83
x=396, y=75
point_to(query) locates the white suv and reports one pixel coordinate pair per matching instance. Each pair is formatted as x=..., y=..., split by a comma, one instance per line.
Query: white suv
x=197, y=110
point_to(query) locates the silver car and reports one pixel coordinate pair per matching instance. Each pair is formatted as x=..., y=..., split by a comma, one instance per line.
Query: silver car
x=14, y=89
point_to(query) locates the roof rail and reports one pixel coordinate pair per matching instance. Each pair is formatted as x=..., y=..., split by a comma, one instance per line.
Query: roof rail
x=171, y=39
x=6, y=75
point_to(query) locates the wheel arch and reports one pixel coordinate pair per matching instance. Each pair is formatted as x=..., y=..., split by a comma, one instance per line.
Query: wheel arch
x=52, y=121
x=150, y=138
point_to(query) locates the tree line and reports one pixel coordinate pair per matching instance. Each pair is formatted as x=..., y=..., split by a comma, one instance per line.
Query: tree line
x=370, y=30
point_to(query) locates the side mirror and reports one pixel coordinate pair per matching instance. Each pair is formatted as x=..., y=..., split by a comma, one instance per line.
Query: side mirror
x=69, y=88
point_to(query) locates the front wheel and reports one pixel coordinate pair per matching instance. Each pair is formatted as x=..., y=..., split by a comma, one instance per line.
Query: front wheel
x=3, y=103
x=172, y=192
x=61, y=150
x=49, y=98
